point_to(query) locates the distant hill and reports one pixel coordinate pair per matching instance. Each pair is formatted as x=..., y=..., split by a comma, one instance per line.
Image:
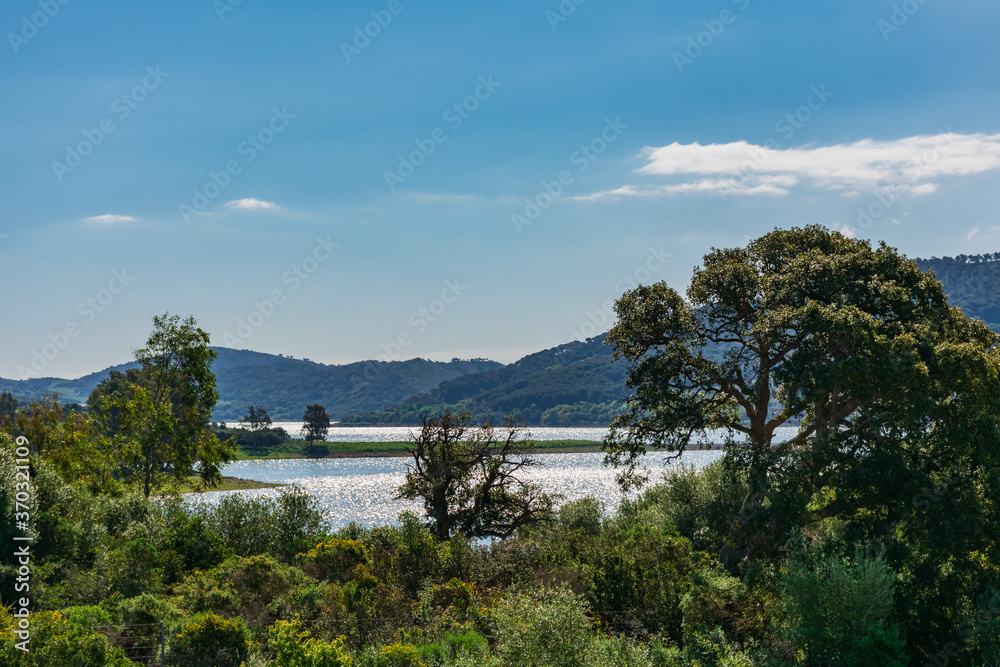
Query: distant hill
x=576, y=384
x=569, y=385
x=972, y=282
x=284, y=386
x=573, y=384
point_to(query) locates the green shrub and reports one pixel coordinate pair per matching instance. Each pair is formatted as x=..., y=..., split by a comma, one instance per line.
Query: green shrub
x=333, y=559
x=699, y=503
x=585, y=514
x=542, y=627
x=254, y=588
x=713, y=601
x=57, y=640
x=837, y=610
x=639, y=579
x=451, y=646
x=295, y=647
x=207, y=639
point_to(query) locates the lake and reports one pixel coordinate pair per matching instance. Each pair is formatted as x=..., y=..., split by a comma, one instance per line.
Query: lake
x=361, y=489
x=403, y=433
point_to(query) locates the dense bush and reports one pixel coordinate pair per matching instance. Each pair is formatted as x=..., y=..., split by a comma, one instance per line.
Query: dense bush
x=207, y=639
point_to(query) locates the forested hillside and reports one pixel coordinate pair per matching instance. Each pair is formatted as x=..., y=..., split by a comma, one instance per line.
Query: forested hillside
x=972, y=282
x=576, y=384
x=572, y=384
x=284, y=386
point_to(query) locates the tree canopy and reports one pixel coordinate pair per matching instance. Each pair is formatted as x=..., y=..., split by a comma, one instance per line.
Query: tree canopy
x=155, y=420
x=893, y=390
x=316, y=423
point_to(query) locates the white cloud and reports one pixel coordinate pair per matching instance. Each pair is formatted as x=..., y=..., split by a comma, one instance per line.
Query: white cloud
x=911, y=165
x=252, y=204
x=972, y=233
x=109, y=218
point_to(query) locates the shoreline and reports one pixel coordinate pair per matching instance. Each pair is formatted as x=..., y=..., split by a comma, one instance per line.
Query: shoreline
x=357, y=450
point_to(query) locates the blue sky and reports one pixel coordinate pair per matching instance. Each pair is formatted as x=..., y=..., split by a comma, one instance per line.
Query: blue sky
x=306, y=189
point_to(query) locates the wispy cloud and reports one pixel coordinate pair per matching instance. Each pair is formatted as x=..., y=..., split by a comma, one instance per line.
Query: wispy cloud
x=251, y=204
x=971, y=234
x=110, y=218
x=912, y=165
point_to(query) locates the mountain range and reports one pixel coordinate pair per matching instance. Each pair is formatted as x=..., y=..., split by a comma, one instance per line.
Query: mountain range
x=283, y=385
x=571, y=384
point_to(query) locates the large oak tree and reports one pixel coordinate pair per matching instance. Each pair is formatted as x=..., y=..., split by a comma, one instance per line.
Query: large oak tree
x=895, y=394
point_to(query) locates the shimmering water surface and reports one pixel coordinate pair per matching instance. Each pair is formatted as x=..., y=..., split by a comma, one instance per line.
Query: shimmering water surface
x=361, y=489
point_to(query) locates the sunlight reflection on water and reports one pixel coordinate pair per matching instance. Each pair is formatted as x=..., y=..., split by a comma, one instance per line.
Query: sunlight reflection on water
x=361, y=489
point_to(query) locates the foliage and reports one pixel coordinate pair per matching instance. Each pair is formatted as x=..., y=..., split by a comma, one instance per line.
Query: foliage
x=453, y=645
x=284, y=526
x=56, y=639
x=472, y=480
x=542, y=627
x=8, y=409
x=316, y=423
x=816, y=320
x=207, y=639
x=700, y=504
x=153, y=422
x=837, y=610
x=295, y=647
x=259, y=424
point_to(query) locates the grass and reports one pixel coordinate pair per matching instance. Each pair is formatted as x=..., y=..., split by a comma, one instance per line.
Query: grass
x=296, y=449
